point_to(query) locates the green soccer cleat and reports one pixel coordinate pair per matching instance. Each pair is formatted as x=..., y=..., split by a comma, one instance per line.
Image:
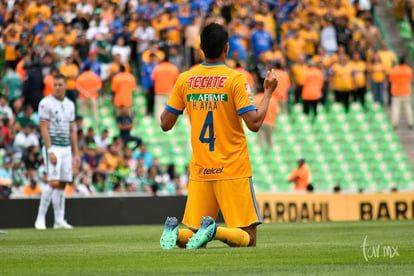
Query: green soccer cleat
x=206, y=233
x=169, y=236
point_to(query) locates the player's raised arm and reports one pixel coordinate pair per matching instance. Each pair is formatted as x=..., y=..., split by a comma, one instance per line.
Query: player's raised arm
x=254, y=118
x=174, y=106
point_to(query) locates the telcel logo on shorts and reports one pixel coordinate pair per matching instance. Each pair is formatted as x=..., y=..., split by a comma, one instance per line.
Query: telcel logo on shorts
x=211, y=171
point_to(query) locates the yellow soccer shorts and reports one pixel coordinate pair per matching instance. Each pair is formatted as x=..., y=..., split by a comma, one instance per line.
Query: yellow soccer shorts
x=234, y=197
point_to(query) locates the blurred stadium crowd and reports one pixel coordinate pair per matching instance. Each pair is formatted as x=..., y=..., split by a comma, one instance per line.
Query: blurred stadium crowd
x=109, y=37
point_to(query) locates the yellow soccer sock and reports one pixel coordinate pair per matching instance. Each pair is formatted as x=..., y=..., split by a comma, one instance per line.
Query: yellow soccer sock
x=233, y=236
x=183, y=236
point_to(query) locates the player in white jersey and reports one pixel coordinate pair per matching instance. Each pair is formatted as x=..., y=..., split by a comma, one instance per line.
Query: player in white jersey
x=57, y=128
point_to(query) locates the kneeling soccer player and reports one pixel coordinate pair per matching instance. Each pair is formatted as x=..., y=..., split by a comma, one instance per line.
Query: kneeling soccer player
x=216, y=98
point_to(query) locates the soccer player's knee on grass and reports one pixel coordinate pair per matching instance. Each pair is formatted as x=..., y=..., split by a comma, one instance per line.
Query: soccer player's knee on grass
x=251, y=231
x=183, y=236
x=234, y=237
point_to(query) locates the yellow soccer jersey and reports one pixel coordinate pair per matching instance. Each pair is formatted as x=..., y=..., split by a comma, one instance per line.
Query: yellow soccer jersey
x=215, y=96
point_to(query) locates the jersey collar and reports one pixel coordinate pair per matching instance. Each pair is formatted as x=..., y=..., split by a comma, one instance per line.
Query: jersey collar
x=58, y=98
x=212, y=64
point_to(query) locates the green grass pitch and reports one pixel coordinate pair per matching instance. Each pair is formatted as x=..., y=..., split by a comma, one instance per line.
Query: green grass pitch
x=321, y=248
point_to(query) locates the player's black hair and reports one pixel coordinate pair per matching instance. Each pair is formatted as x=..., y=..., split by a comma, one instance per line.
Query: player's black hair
x=213, y=39
x=401, y=60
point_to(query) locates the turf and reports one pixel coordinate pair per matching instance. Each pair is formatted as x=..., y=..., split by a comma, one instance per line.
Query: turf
x=322, y=248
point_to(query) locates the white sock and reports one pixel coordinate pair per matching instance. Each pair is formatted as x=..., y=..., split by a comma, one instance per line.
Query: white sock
x=58, y=198
x=45, y=199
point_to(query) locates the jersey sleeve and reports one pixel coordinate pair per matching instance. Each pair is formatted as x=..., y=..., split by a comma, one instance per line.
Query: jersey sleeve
x=242, y=94
x=176, y=103
x=44, y=111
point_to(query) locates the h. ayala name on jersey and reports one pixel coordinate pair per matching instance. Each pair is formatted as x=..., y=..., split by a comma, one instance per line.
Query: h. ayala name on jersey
x=211, y=170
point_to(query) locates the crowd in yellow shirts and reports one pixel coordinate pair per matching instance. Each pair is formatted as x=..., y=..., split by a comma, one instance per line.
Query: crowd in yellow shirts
x=333, y=37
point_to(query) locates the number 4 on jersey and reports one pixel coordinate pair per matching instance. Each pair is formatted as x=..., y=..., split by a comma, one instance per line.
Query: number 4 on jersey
x=208, y=123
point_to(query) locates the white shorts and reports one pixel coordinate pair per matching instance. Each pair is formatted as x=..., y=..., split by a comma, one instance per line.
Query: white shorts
x=62, y=170
x=105, y=71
